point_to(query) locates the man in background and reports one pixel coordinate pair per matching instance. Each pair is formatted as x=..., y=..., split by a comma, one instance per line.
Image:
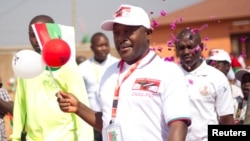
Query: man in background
x=221, y=60
x=208, y=88
x=93, y=68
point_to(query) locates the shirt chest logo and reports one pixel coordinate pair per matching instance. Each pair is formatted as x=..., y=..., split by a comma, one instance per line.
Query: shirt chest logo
x=204, y=90
x=146, y=84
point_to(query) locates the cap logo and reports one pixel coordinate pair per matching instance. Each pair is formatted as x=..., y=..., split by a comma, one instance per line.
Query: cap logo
x=123, y=12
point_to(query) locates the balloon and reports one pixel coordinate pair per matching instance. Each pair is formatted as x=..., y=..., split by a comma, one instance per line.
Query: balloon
x=27, y=64
x=56, y=53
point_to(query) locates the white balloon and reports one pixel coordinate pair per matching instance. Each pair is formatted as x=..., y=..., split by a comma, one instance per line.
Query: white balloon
x=27, y=64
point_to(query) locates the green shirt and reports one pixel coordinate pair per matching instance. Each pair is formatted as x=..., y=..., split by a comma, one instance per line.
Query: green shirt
x=36, y=104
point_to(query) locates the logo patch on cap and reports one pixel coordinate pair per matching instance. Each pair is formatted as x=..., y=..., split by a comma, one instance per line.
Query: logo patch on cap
x=123, y=12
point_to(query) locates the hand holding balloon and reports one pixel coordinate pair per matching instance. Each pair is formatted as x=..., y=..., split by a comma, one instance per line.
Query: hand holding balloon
x=27, y=64
x=56, y=53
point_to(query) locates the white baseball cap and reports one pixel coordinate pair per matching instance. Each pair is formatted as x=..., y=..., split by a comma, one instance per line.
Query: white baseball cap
x=239, y=73
x=222, y=55
x=219, y=55
x=128, y=15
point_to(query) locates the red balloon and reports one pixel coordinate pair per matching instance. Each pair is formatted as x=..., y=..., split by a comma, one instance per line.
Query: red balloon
x=56, y=53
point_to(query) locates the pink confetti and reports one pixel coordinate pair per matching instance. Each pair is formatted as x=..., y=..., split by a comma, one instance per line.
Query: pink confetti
x=169, y=59
x=194, y=30
x=159, y=49
x=203, y=26
x=190, y=81
x=212, y=17
x=170, y=43
x=243, y=55
x=151, y=48
x=206, y=38
x=172, y=36
x=243, y=39
x=195, y=50
x=173, y=25
x=181, y=19
x=163, y=13
x=155, y=23
x=205, y=48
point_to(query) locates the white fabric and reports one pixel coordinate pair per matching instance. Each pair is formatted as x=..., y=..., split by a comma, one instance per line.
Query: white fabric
x=128, y=15
x=144, y=112
x=222, y=55
x=236, y=91
x=242, y=62
x=237, y=95
x=231, y=74
x=209, y=93
x=219, y=55
x=92, y=71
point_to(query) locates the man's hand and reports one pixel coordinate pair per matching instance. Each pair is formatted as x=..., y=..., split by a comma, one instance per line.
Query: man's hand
x=67, y=102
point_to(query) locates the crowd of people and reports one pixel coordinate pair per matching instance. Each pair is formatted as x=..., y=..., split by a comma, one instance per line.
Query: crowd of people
x=104, y=98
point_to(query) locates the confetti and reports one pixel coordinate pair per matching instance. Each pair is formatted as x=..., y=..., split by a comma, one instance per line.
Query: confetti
x=243, y=39
x=169, y=59
x=163, y=13
x=190, y=81
x=170, y=43
x=212, y=17
x=159, y=49
x=173, y=25
x=206, y=38
x=154, y=23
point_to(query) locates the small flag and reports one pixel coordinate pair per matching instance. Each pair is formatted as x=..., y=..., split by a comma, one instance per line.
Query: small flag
x=47, y=31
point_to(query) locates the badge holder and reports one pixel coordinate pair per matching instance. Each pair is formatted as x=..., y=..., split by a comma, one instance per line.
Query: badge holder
x=113, y=132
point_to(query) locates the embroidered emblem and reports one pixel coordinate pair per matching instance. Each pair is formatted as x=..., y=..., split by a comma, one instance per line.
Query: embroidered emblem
x=204, y=90
x=146, y=84
x=122, y=12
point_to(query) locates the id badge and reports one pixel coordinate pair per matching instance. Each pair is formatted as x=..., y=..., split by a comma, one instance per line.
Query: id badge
x=113, y=132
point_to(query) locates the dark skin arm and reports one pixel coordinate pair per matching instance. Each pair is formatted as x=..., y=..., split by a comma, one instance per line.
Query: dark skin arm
x=6, y=106
x=178, y=131
x=227, y=120
x=70, y=104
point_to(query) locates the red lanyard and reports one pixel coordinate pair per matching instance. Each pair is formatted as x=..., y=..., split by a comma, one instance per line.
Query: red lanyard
x=117, y=88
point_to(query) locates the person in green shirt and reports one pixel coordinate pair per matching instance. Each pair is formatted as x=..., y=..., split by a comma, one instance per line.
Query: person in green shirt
x=36, y=107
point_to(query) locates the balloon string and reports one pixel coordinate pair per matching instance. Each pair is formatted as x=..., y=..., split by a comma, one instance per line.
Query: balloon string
x=54, y=80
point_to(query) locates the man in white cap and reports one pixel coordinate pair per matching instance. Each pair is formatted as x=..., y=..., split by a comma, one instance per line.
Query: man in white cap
x=141, y=98
x=220, y=59
x=243, y=75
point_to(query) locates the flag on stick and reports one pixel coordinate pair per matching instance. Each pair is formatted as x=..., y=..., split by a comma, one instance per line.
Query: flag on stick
x=47, y=31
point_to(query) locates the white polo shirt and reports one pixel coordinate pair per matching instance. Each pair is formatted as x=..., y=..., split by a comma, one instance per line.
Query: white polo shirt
x=92, y=71
x=210, y=97
x=151, y=97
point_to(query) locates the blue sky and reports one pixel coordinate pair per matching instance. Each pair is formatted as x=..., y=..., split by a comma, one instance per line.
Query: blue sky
x=87, y=16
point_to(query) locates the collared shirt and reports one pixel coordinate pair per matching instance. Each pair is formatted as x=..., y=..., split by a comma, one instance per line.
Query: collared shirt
x=149, y=99
x=210, y=97
x=91, y=72
x=36, y=106
x=5, y=96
